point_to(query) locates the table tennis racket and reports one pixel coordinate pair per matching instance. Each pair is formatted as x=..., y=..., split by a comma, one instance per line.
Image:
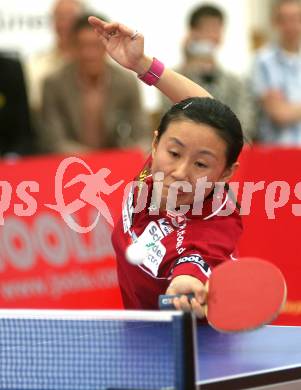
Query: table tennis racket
x=241, y=295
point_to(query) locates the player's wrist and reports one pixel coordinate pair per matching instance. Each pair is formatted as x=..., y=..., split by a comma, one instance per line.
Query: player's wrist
x=151, y=72
x=143, y=65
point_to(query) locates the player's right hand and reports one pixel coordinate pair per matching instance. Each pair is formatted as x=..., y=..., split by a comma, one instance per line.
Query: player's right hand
x=186, y=284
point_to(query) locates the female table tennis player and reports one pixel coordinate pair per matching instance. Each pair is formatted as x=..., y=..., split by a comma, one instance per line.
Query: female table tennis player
x=198, y=138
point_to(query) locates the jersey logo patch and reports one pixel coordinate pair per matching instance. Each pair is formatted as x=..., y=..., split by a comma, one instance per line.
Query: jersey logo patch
x=151, y=238
x=152, y=233
x=197, y=260
x=177, y=219
x=165, y=226
x=155, y=255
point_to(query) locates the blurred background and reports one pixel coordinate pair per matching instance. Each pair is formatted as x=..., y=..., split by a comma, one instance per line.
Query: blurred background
x=27, y=29
x=60, y=97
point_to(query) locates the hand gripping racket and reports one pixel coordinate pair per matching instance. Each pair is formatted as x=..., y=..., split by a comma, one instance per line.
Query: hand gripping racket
x=241, y=295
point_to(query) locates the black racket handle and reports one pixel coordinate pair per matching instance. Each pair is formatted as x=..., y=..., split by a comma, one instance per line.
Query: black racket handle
x=165, y=302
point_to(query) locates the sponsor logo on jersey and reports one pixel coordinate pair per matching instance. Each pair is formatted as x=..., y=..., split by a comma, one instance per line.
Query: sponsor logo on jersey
x=195, y=259
x=178, y=220
x=180, y=238
x=155, y=255
x=151, y=238
x=165, y=226
x=152, y=233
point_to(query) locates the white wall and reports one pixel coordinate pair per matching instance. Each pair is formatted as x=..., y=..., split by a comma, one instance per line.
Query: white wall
x=24, y=27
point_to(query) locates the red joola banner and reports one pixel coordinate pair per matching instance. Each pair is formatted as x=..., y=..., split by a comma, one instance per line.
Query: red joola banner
x=55, y=245
x=270, y=195
x=56, y=217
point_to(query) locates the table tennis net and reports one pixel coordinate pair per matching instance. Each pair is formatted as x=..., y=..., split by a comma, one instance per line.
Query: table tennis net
x=83, y=350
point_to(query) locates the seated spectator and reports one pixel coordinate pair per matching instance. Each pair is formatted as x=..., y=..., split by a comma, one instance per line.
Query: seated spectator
x=277, y=78
x=205, y=30
x=16, y=134
x=63, y=15
x=89, y=103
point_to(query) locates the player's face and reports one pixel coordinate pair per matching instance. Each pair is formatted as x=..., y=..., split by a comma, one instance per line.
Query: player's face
x=189, y=151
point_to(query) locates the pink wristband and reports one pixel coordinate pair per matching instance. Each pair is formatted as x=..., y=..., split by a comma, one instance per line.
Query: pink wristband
x=154, y=73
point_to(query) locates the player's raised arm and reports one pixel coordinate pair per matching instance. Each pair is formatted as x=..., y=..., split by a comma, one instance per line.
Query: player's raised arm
x=126, y=47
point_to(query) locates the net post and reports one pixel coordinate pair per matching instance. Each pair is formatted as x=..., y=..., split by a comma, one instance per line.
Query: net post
x=184, y=334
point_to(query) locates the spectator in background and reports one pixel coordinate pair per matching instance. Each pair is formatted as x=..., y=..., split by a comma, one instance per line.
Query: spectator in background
x=16, y=134
x=89, y=103
x=63, y=14
x=205, y=31
x=277, y=77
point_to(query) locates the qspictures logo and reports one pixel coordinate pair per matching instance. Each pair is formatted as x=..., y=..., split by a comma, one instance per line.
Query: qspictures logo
x=95, y=185
x=277, y=194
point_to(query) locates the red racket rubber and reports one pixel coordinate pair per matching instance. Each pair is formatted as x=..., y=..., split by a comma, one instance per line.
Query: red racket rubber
x=245, y=294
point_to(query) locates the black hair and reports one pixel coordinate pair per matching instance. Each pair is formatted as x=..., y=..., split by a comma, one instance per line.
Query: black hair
x=210, y=112
x=82, y=22
x=204, y=11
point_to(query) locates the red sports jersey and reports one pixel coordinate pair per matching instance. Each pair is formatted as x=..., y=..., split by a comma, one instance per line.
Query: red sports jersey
x=177, y=245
